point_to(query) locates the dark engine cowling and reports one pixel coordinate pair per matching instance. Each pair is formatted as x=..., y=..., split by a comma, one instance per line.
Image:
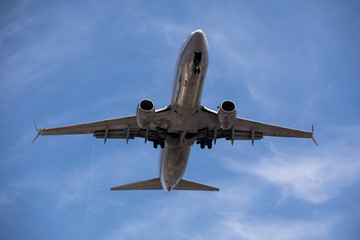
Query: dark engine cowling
x=226, y=114
x=144, y=113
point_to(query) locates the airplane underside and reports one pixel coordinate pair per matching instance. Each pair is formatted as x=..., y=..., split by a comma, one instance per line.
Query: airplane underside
x=182, y=123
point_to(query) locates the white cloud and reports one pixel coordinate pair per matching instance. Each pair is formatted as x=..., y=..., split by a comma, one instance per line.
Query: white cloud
x=9, y=29
x=42, y=55
x=314, y=176
x=225, y=215
x=308, y=178
x=66, y=187
x=274, y=229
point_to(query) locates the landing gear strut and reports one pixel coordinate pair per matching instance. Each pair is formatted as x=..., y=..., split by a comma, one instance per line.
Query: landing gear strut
x=209, y=144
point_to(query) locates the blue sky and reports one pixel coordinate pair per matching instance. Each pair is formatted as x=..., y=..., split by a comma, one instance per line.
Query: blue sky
x=292, y=63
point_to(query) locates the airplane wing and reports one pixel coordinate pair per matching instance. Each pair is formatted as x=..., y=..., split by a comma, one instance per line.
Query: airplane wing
x=244, y=129
x=120, y=128
x=92, y=127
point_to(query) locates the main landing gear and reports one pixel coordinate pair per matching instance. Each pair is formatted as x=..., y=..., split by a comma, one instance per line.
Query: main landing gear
x=160, y=142
x=207, y=143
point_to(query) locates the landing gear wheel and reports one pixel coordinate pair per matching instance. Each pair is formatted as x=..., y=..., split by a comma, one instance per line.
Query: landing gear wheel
x=209, y=144
x=202, y=144
x=155, y=144
x=162, y=144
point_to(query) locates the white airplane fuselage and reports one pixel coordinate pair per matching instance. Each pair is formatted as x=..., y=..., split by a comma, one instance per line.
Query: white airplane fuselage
x=185, y=102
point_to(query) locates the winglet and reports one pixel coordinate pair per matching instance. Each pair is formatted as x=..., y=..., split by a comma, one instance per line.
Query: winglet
x=314, y=141
x=312, y=136
x=38, y=132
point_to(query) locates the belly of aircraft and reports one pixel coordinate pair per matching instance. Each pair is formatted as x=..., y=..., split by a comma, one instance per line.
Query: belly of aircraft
x=185, y=105
x=173, y=162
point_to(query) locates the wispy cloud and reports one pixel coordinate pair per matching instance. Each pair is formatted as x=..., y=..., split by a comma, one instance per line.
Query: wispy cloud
x=275, y=229
x=42, y=55
x=227, y=215
x=79, y=185
x=314, y=176
x=285, y=194
x=11, y=28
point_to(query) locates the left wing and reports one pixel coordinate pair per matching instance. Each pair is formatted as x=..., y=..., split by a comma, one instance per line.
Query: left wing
x=92, y=127
x=121, y=128
x=244, y=129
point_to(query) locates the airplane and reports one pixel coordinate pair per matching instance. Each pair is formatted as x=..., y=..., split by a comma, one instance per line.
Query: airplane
x=176, y=127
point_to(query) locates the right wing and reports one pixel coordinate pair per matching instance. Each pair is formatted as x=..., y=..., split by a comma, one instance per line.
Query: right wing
x=244, y=129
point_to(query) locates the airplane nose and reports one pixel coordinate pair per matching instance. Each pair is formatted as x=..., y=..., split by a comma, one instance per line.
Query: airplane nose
x=198, y=40
x=198, y=35
x=199, y=31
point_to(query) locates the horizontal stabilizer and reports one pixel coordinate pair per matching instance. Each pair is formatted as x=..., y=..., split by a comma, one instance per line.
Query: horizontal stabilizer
x=189, y=185
x=155, y=184
x=152, y=184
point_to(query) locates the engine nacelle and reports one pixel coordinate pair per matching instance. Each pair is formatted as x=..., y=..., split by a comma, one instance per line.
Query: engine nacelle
x=227, y=114
x=144, y=113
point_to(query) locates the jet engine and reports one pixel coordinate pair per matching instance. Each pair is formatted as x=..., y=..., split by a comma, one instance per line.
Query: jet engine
x=226, y=114
x=144, y=113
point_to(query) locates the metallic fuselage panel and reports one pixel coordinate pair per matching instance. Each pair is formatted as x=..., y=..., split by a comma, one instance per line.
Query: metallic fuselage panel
x=173, y=162
x=185, y=102
x=188, y=85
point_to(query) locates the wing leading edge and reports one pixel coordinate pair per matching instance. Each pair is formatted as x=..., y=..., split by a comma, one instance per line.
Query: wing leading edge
x=244, y=129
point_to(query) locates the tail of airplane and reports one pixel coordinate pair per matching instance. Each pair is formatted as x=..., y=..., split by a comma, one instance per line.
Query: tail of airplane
x=190, y=185
x=155, y=184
